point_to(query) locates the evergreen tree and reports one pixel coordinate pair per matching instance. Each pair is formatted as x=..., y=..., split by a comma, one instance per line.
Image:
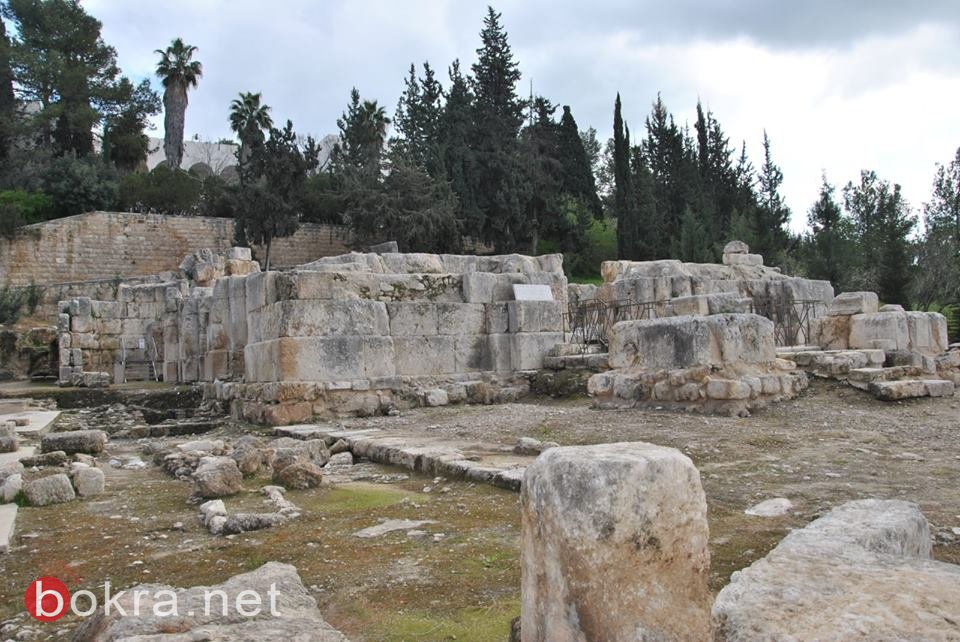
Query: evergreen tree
x=773, y=216
x=644, y=218
x=498, y=187
x=544, y=171
x=60, y=61
x=828, y=248
x=943, y=209
x=360, y=149
x=8, y=104
x=125, y=143
x=882, y=224
x=671, y=157
x=594, y=151
x=623, y=197
x=578, y=180
x=456, y=133
x=417, y=121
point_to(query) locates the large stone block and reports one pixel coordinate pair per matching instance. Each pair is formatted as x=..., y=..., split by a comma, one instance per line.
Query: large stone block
x=460, y=318
x=528, y=349
x=847, y=303
x=886, y=330
x=412, y=318
x=53, y=489
x=501, y=352
x=339, y=358
x=614, y=546
x=90, y=442
x=497, y=318
x=683, y=342
x=425, y=355
x=484, y=287
x=472, y=353
x=535, y=316
x=261, y=290
x=863, y=571
x=312, y=318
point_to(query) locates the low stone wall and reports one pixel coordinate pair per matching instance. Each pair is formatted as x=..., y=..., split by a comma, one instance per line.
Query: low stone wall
x=114, y=245
x=724, y=363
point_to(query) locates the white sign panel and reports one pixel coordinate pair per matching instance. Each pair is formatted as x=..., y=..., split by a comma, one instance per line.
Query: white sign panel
x=525, y=292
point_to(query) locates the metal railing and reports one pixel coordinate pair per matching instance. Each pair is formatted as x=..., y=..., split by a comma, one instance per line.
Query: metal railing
x=792, y=318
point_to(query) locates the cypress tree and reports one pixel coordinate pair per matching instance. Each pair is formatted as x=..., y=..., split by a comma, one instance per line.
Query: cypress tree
x=456, y=132
x=7, y=100
x=827, y=247
x=498, y=185
x=578, y=179
x=773, y=216
x=622, y=185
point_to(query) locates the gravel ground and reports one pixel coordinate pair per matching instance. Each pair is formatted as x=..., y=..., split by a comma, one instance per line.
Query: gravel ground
x=830, y=445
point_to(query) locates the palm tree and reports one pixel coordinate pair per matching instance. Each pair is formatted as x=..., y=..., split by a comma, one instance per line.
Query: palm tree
x=178, y=73
x=249, y=119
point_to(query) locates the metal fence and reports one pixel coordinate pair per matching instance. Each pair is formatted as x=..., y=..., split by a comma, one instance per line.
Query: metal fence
x=589, y=322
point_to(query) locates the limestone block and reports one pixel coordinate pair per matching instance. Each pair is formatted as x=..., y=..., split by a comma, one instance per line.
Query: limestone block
x=53, y=489
x=497, y=319
x=90, y=442
x=862, y=571
x=939, y=387
x=891, y=307
x=425, y=355
x=412, y=318
x=831, y=332
x=743, y=259
x=728, y=303
x=460, y=318
x=413, y=262
x=927, y=332
x=727, y=389
x=483, y=287
x=501, y=352
x=63, y=323
x=458, y=263
x=594, y=570
x=896, y=390
x=217, y=477
x=237, y=306
x=338, y=358
x=891, y=327
x=239, y=254
x=690, y=305
x=681, y=342
x=534, y=316
x=81, y=324
x=88, y=482
x=847, y=303
x=301, y=318
x=472, y=353
x=261, y=290
x=81, y=307
x=528, y=349
x=770, y=384
x=736, y=247
x=216, y=364
x=600, y=384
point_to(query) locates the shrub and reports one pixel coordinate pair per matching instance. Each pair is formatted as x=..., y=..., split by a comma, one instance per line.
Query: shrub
x=80, y=185
x=162, y=190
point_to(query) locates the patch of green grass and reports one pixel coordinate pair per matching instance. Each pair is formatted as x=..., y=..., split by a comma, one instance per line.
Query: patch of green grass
x=467, y=625
x=586, y=279
x=362, y=497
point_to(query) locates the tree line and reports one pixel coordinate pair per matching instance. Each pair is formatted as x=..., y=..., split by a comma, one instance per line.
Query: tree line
x=464, y=163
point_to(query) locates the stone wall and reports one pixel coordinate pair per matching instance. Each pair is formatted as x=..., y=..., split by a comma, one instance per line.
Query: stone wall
x=114, y=245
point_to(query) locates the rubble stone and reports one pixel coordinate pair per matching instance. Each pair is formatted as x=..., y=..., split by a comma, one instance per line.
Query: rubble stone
x=88, y=482
x=217, y=477
x=53, y=489
x=90, y=442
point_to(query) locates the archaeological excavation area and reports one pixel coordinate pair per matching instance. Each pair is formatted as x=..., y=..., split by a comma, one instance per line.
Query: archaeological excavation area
x=451, y=447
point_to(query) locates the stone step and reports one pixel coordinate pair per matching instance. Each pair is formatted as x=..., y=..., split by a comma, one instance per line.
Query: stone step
x=574, y=349
x=597, y=361
x=911, y=389
x=8, y=517
x=787, y=350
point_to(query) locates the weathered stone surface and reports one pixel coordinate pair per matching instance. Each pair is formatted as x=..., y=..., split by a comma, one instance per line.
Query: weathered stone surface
x=614, y=546
x=681, y=342
x=848, y=303
x=8, y=519
x=412, y=318
x=53, y=489
x=8, y=444
x=754, y=260
x=88, y=481
x=10, y=488
x=436, y=397
x=736, y=247
x=299, y=475
x=236, y=523
x=217, y=477
x=939, y=387
x=527, y=349
x=532, y=447
x=534, y=316
x=863, y=571
x=55, y=458
x=389, y=526
x=896, y=390
x=770, y=507
x=247, y=453
x=298, y=619
x=90, y=442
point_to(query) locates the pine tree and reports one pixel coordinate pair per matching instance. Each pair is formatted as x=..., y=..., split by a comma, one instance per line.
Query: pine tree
x=455, y=135
x=578, y=179
x=544, y=170
x=882, y=224
x=828, y=247
x=644, y=217
x=498, y=186
x=359, y=150
x=773, y=216
x=417, y=121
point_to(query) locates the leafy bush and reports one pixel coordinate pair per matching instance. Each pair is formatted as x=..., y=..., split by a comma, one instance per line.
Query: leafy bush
x=600, y=245
x=80, y=185
x=11, y=303
x=19, y=207
x=162, y=190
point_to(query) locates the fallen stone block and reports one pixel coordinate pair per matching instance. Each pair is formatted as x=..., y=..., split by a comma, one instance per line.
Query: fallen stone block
x=90, y=442
x=88, y=482
x=8, y=519
x=939, y=387
x=217, y=477
x=849, y=303
x=10, y=488
x=391, y=525
x=896, y=390
x=55, y=458
x=594, y=571
x=292, y=615
x=862, y=571
x=237, y=523
x=436, y=397
x=299, y=475
x=54, y=489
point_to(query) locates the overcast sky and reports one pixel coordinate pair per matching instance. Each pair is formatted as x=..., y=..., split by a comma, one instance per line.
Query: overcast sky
x=839, y=85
